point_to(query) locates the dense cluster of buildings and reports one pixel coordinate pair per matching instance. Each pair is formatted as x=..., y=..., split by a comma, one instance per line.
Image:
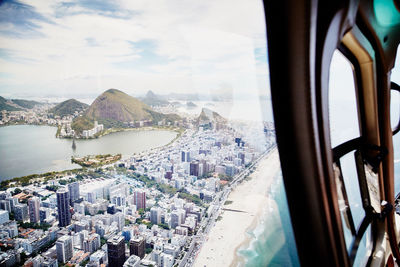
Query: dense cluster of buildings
x=118, y=219
x=37, y=115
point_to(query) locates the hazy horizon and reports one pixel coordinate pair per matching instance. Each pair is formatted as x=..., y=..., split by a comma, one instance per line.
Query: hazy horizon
x=82, y=48
x=79, y=49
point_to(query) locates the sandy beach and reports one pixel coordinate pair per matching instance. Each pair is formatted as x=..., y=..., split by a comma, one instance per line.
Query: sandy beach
x=229, y=233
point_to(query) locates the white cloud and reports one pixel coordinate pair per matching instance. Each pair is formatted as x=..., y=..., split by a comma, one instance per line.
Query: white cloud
x=85, y=51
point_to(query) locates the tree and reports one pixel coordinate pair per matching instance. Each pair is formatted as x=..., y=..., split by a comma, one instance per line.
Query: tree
x=17, y=191
x=141, y=212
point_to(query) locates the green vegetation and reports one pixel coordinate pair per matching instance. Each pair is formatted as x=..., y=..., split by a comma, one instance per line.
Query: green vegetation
x=189, y=197
x=148, y=250
x=5, y=106
x=228, y=202
x=16, y=191
x=114, y=107
x=26, y=180
x=97, y=160
x=58, y=131
x=29, y=104
x=164, y=226
x=145, y=222
x=62, y=182
x=225, y=177
x=82, y=123
x=43, y=226
x=164, y=188
x=68, y=107
x=53, y=188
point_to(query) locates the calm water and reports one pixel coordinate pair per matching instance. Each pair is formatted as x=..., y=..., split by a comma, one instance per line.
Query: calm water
x=29, y=149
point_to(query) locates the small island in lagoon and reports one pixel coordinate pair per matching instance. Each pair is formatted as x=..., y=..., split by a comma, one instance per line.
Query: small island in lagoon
x=95, y=160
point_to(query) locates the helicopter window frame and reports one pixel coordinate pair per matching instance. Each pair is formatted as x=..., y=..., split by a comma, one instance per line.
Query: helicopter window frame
x=359, y=149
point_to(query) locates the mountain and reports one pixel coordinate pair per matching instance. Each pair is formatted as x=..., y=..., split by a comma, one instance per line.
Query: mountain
x=68, y=107
x=152, y=99
x=28, y=104
x=207, y=116
x=190, y=104
x=114, y=108
x=8, y=105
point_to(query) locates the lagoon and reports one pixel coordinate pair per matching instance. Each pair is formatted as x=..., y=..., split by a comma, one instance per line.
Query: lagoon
x=31, y=149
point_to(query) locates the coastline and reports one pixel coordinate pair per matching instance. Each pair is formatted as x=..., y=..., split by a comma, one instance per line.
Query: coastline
x=117, y=130
x=51, y=174
x=251, y=198
x=178, y=130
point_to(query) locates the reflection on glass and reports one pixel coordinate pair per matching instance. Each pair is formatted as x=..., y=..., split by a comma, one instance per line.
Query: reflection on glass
x=394, y=108
x=146, y=127
x=343, y=113
x=365, y=249
x=395, y=77
x=345, y=214
x=350, y=178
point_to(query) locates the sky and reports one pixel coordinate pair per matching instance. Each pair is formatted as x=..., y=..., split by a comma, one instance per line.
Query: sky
x=78, y=49
x=52, y=48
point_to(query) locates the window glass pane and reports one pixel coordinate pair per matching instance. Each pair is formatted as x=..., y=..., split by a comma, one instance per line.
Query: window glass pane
x=365, y=249
x=344, y=126
x=151, y=131
x=343, y=113
x=350, y=178
x=396, y=139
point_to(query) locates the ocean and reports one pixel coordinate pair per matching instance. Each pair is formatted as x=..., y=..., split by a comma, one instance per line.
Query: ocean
x=272, y=240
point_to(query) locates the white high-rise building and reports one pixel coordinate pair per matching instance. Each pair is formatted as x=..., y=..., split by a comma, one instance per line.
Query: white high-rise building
x=4, y=217
x=155, y=215
x=73, y=189
x=64, y=248
x=34, y=207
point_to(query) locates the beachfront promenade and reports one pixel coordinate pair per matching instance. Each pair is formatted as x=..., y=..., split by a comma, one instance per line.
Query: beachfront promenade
x=224, y=232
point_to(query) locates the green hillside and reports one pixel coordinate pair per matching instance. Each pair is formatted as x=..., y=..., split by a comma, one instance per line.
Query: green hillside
x=5, y=106
x=114, y=107
x=68, y=107
x=29, y=104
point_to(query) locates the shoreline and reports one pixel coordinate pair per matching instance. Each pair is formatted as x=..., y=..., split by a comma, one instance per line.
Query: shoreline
x=118, y=130
x=226, y=238
x=31, y=178
x=178, y=130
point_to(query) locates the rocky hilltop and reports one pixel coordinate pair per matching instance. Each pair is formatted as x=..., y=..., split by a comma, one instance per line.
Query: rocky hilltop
x=208, y=116
x=152, y=99
x=116, y=109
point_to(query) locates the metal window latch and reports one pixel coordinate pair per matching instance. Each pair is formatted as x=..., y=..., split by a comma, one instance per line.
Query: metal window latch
x=373, y=155
x=387, y=208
